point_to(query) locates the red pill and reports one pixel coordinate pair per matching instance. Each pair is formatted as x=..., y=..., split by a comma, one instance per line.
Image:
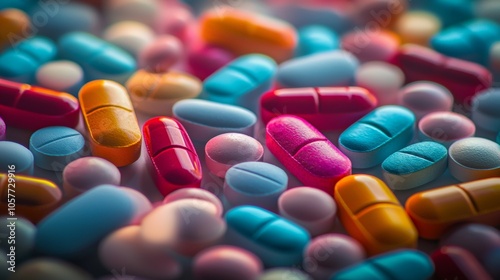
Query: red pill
x=175, y=164
x=32, y=108
x=326, y=108
x=463, y=78
x=457, y=264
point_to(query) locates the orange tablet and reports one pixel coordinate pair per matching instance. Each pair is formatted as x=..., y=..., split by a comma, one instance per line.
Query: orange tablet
x=15, y=24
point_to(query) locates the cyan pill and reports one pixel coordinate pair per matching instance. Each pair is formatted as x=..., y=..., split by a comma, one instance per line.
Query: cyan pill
x=15, y=157
x=55, y=146
x=316, y=39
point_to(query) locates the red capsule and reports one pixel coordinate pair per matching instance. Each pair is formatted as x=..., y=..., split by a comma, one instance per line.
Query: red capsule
x=457, y=264
x=32, y=108
x=175, y=164
x=326, y=108
x=463, y=78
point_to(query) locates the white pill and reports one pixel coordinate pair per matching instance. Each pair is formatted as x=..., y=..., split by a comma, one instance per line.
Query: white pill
x=131, y=36
x=382, y=79
x=62, y=75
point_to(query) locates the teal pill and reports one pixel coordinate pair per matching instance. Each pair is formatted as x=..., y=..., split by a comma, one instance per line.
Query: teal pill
x=316, y=39
x=56, y=146
x=16, y=158
x=24, y=237
x=415, y=165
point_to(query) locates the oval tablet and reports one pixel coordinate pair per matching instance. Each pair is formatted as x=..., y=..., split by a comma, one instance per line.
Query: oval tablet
x=370, y=140
x=131, y=36
x=415, y=165
x=15, y=157
x=316, y=39
x=485, y=113
x=382, y=79
x=62, y=75
x=25, y=237
x=14, y=22
x=445, y=127
x=424, y=97
x=194, y=193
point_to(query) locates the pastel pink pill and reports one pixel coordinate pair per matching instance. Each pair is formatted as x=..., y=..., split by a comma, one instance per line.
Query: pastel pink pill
x=228, y=149
x=226, y=263
x=306, y=153
x=205, y=60
x=175, y=19
x=195, y=193
x=123, y=248
x=310, y=208
x=445, y=127
x=161, y=54
x=2, y=129
x=329, y=253
x=425, y=97
x=377, y=46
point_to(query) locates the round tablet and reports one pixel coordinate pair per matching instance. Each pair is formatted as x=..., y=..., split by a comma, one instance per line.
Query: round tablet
x=3, y=129
x=226, y=263
x=161, y=54
x=485, y=110
x=131, y=36
x=55, y=146
x=255, y=183
x=309, y=207
x=48, y=268
x=425, y=97
x=417, y=27
x=445, y=127
x=228, y=149
x=329, y=253
x=85, y=173
x=474, y=158
x=197, y=194
x=25, y=236
x=382, y=79
x=15, y=157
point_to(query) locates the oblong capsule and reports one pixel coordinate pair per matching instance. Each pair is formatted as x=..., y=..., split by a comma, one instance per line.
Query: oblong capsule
x=175, y=164
x=306, y=153
x=372, y=214
x=111, y=122
x=457, y=263
x=436, y=210
x=326, y=108
x=32, y=108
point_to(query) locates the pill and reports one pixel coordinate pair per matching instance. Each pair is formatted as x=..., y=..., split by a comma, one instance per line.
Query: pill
x=32, y=108
x=20, y=62
x=141, y=204
x=123, y=248
x=394, y=265
x=417, y=27
x=425, y=97
x=241, y=82
x=310, y=208
x=174, y=162
x=485, y=112
x=327, y=69
x=132, y=36
x=415, y=165
x=255, y=183
x=156, y=93
x=326, y=108
x=161, y=54
x=316, y=39
x=14, y=22
x=204, y=120
x=366, y=47
x=206, y=59
x=445, y=127
x=98, y=58
x=62, y=75
x=488, y=9
x=435, y=211
x=65, y=234
x=498, y=138
x=462, y=78
x=495, y=61
x=86, y=173
x=226, y=262
x=450, y=13
x=382, y=79
x=192, y=193
x=228, y=149
x=454, y=262
x=15, y=158
x=110, y=119
x=186, y=226
x=34, y=197
x=378, y=14
x=143, y=11
x=49, y=268
x=329, y=253
x=54, y=147
x=306, y=153
x=244, y=32
x=275, y=240
x=25, y=237
x=176, y=19
x=474, y=158
x=281, y=273
x=372, y=214
x=3, y=130
x=370, y=140
x=469, y=41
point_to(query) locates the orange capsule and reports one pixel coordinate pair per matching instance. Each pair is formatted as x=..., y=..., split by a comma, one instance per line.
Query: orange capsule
x=436, y=210
x=28, y=197
x=243, y=32
x=13, y=22
x=111, y=122
x=372, y=214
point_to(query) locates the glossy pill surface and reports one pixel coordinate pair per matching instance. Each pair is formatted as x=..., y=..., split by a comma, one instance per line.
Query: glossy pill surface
x=16, y=157
x=424, y=97
x=458, y=263
x=445, y=127
x=316, y=39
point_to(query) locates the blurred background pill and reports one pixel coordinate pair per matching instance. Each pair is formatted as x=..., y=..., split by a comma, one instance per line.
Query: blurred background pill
x=24, y=238
x=417, y=27
x=131, y=36
x=195, y=193
x=19, y=158
x=3, y=130
x=50, y=268
x=485, y=110
x=62, y=75
x=161, y=54
x=382, y=79
x=425, y=97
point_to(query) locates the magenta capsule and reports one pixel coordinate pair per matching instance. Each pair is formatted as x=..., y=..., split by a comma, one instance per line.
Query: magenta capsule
x=457, y=263
x=326, y=108
x=175, y=164
x=306, y=153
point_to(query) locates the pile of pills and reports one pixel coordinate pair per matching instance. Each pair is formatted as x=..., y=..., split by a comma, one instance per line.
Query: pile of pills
x=250, y=140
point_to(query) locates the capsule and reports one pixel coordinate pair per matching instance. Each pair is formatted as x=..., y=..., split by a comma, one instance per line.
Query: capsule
x=32, y=108
x=111, y=122
x=175, y=164
x=457, y=263
x=326, y=108
x=372, y=214
x=434, y=211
